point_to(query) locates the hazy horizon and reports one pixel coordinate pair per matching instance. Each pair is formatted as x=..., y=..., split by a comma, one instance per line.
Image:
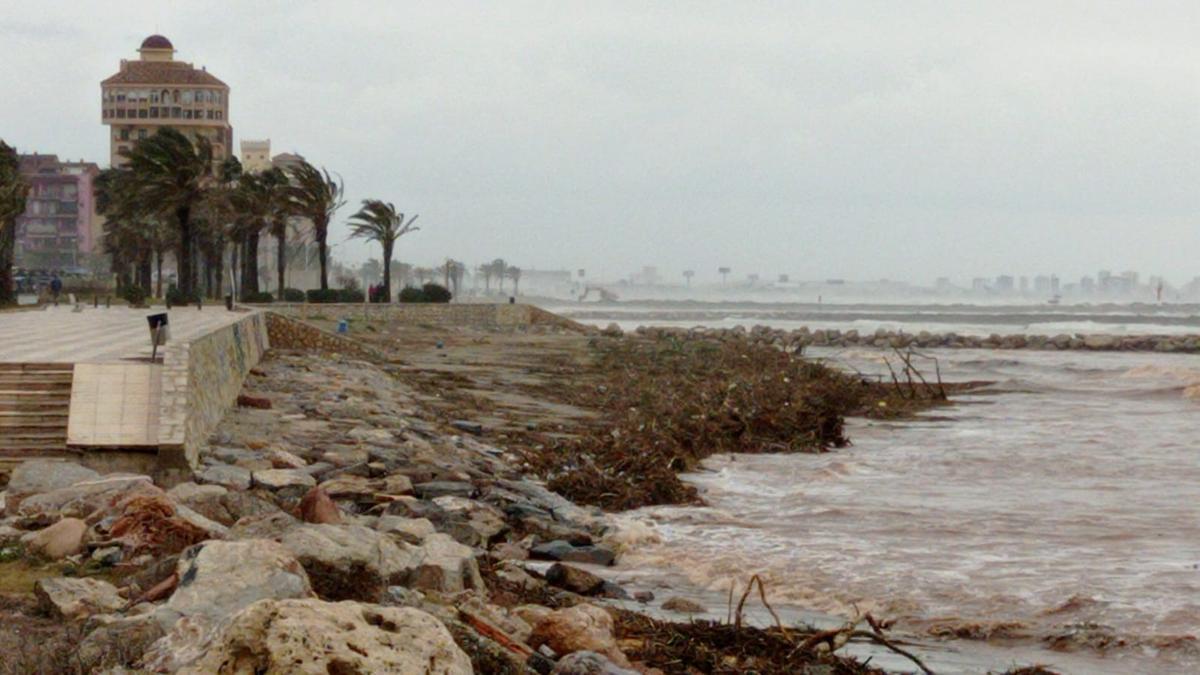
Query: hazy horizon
x=861, y=140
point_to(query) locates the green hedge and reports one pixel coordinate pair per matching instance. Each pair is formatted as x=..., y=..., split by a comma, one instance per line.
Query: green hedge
x=318, y=296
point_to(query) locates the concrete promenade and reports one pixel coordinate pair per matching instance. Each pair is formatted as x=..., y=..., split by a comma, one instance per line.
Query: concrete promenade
x=61, y=335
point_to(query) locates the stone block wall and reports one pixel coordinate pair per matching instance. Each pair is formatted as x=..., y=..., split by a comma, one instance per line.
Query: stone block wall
x=287, y=333
x=488, y=316
x=201, y=380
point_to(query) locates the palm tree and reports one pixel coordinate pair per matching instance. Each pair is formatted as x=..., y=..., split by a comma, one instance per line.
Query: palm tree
x=514, y=273
x=317, y=196
x=133, y=236
x=486, y=270
x=13, y=189
x=279, y=211
x=688, y=274
x=724, y=272
x=499, y=268
x=378, y=221
x=168, y=173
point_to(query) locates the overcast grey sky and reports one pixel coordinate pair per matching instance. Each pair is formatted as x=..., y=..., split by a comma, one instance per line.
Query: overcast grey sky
x=905, y=140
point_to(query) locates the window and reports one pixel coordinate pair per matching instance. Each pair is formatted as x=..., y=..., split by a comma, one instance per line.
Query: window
x=176, y=112
x=141, y=134
x=141, y=113
x=188, y=97
x=219, y=114
x=154, y=112
x=120, y=113
x=120, y=97
x=187, y=114
x=154, y=97
x=125, y=134
x=210, y=114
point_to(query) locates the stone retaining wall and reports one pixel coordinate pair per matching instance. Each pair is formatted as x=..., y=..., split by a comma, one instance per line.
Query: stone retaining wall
x=201, y=380
x=288, y=333
x=885, y=339
x=488, y=316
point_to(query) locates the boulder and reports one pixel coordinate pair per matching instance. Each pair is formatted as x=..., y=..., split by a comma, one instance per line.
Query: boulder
x=317, y=507
x=231, y=507
x=282, y=459
x=225, y=475
x=574, y=579
x=579, y=628
x=1100, y=341
x=218, y=578
x=60, y=540
x=409, y=530
x=683, y=606
x=311, y=636
x=280, y=479
x=445, y=565
x=83, y=498
x=589, y=663
x=349, y=562
x=73, y=598
x=38, y=476
x=485, y=520
x=117, y=641
x=442, y=488
x=187, y=493
x=565, y=551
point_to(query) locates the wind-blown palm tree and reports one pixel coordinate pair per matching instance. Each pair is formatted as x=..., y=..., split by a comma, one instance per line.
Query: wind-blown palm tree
x=378, y=221
x=499, y=270
x=514, y=273
x=279, y=212
x=169, y=173
x=13, y=190
x=317, y=196
x=261, y=201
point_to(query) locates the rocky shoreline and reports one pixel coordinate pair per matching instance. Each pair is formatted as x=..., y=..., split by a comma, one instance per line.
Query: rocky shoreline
x=888, y=339
x=337, y=525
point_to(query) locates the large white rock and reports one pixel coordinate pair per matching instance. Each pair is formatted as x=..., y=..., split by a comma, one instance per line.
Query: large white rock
x=81, y=499
x=217, y=578
x=74, y=598
x=316, y=637
x=38, y=476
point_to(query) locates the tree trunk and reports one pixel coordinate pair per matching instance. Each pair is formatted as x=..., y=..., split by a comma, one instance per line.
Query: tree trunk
x=144, y=272
x=281, y=260
x=8, y=241
x=158, y=257
x=250, y=266
x=387, y=273
x=184, y=259
x=218, y=270
x=233, y=265
x=323, y=256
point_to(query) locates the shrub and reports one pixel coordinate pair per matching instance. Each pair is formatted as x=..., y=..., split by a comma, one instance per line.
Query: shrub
x=176, y=297
x=351, y=295
x=259, y=297
x=410, y=294
x=134, y=295
x=436, y=293
x=293, y=295
x=318, y=295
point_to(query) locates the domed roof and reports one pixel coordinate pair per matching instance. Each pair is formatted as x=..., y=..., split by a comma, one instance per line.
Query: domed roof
x=157, y=42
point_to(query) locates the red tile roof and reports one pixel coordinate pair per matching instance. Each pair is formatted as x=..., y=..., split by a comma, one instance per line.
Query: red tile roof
x=162, y=72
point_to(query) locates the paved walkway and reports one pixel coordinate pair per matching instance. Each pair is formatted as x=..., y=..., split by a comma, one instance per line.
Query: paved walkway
x=61, y=335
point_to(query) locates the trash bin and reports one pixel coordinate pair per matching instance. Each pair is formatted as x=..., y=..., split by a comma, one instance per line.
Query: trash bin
x=343, y=326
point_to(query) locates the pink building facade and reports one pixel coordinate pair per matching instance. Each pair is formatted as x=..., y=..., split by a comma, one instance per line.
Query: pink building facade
x=60, y=225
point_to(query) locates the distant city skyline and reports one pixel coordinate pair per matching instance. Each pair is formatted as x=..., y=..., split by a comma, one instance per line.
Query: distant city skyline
x=855, y=140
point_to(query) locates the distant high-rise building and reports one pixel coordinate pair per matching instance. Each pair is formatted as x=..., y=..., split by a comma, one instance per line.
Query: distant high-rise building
x=60, y=223
x=157, y=91
x=1024, y=284
x=256, y=155
x=1041, y=284
x=1004, y=283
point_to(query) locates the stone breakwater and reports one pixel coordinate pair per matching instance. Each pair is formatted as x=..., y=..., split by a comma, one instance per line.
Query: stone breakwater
x=887, y=339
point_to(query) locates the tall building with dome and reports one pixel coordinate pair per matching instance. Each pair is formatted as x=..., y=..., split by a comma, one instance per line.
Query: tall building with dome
x=157, y=91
